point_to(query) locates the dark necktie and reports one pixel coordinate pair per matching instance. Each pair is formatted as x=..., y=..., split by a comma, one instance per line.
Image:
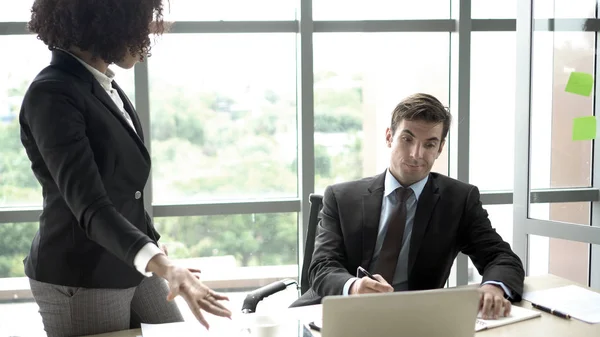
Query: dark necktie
x=392, y=242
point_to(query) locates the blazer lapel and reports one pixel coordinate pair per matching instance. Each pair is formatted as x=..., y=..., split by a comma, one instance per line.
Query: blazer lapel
x=130, y=110
x=101, y=94
x=425, y=207
x=69, y=64
x=371, y=215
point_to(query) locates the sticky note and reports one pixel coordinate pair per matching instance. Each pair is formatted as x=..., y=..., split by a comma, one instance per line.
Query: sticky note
x=584, y=128
x=580, y=83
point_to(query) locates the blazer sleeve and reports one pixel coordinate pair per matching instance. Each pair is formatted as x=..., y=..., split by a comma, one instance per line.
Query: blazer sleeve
x=491, y=255
x=52, y=111
x=327, y=274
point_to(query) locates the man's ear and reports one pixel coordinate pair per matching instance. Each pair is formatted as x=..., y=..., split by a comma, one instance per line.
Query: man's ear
x=442, y=143
x=389, y=137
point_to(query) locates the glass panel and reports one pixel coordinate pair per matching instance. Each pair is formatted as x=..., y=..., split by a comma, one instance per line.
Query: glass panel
x=501, y=217
x=486, y=9
x=18, y=186
x=15, y=11
x=564, y=258
x=556, y=159
x=237, y=10
x=380, y=9
x=564, y=9
x=15, y=242
x=236, y=253
x=571, y=212
x=359, y=79
x=223, y=118
x=492, y=129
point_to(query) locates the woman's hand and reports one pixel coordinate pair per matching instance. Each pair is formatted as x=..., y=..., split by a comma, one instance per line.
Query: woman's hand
x=183, y=282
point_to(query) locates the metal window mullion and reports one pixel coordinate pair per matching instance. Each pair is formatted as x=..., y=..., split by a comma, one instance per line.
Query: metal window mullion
x=305, y=118
x=594, y=262
x=563, y=230
x=142, y=106
x=462, y=116
x=522, y=133
x=228, y=208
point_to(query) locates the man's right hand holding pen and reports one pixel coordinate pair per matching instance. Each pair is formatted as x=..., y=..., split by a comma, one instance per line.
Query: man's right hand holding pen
x=369, y=284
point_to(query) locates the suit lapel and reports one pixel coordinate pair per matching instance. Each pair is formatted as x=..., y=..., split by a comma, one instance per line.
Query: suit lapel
x=101, y=94
x=371, y=215
x=68, y=63
x=425, y=207
x=130, y=110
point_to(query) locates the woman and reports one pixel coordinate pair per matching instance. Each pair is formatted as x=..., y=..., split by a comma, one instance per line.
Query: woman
x=94, y=265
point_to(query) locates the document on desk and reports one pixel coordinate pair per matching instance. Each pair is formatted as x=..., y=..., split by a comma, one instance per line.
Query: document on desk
x=576, y=301
x=182, y=329
x=517, y=314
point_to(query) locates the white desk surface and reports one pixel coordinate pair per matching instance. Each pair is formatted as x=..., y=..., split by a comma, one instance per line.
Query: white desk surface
x=546, y=326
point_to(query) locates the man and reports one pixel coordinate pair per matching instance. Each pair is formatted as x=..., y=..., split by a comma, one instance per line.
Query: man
x=407, y=224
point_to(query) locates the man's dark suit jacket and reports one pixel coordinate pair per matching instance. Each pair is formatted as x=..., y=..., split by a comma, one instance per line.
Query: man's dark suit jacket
x=92, y=167
x=449, y=219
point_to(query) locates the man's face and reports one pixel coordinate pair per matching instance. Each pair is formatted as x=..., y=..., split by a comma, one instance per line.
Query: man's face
x=414, y=148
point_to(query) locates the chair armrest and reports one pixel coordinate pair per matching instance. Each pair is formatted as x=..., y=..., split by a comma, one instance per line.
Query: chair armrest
x=259, y=294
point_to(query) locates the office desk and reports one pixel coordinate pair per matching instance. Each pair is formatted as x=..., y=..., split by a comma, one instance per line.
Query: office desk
x=545, y=326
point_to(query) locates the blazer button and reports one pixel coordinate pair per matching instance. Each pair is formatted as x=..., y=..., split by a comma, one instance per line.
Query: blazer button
x=138, y=194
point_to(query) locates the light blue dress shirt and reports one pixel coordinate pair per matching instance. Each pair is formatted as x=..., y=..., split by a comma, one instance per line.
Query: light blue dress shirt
x=400, y=280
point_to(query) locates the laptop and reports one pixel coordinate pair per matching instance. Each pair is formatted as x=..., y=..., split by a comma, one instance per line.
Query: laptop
x=439, y=312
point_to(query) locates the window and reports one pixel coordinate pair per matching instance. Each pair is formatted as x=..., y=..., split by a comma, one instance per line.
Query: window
x=15, y=242
x=15, y=11
x=236, y=253
x=18, y=186
x=557, y=160
x=359, y=79
x=492, y=129
x=563, y=258
x=564, y=9
x=236, y=10
x=232, y=244
x=380, y=10
x=223, y=117
x=485, y=9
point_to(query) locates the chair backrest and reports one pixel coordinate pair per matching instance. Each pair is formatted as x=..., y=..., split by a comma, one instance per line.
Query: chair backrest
x=316, y=204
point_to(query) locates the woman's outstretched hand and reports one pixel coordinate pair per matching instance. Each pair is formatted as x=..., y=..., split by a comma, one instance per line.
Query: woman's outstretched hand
x=182, y=282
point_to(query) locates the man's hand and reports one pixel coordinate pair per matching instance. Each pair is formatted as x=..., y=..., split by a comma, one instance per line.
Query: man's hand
x=492, y=303
x=366, y=285
x=183, y=282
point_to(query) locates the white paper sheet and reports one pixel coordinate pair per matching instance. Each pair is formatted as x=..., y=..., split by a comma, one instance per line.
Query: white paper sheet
x=576, y=301
x=517, y=314
x=183, y=329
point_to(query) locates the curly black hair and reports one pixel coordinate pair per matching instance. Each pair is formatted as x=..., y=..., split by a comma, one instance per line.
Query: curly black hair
x=108, y=29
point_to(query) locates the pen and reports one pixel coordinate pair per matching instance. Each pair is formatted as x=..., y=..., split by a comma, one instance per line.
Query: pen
x=365, y=272
x=551, y=311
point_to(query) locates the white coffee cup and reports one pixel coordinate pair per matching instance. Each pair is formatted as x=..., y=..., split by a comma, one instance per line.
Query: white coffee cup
x=265, y=326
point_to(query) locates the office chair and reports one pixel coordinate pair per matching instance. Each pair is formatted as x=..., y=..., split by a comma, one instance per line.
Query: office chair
x=252, y=299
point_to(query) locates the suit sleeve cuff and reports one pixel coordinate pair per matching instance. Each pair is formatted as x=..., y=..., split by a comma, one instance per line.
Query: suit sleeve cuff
x=347, y=285
x=507, y=291
x=143, y=257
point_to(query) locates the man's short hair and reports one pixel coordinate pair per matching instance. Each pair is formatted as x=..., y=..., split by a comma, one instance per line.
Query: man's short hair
x=422, y=107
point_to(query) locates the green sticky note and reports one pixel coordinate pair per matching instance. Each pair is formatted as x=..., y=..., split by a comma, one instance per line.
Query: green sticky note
x=580, y=83
x=584, y=128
